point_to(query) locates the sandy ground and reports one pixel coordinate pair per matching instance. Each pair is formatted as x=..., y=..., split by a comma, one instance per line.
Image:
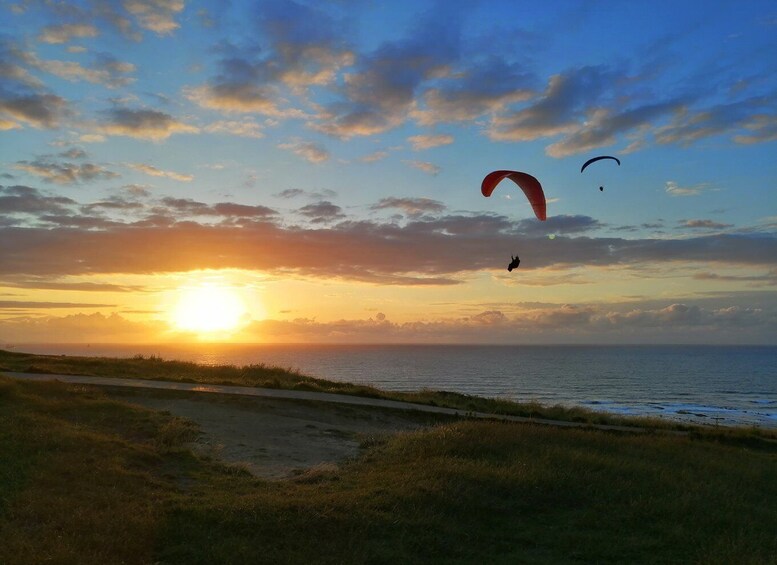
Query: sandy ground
x=276, y=439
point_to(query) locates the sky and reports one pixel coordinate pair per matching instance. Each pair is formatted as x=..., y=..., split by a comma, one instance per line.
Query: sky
x=279, y=171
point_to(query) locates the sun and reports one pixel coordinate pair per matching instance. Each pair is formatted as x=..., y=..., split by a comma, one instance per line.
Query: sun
x=207, y=309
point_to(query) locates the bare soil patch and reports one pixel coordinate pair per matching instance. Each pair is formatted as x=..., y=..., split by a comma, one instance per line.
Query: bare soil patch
x=273, y=438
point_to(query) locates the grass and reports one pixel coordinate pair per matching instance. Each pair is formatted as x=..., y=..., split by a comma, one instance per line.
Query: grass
x=85, y=478
x=260, y=375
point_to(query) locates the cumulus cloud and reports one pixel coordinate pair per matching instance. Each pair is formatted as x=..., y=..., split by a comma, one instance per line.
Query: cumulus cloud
x=569, y=323
x=487, y=87
x=375, y=156
x=244, y=128
x=63, y=33
x=304, y=49
x=155, y=15
x=240, y=98
x=155, y=172
x=38, y=110
x=322, y=212
x=143, y=124
x=191, y=207
x=88, y=328
x=312, y=194
x=380, y=94
x=424, y=166
x=689, y=126
x=703, y=224
x=603, y=127
x=428, y=141
x=410, y=206
x=64, y=172
x=559, y=110
x=106, y=71
x=27, y=200
x=308, y=150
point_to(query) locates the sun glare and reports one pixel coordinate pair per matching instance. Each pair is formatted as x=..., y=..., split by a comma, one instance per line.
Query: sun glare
x=208, y=309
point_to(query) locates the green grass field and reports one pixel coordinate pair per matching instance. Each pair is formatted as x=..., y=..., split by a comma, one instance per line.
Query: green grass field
x=85, y=478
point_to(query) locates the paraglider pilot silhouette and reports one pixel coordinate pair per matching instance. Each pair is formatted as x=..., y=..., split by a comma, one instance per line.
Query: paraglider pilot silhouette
x=514, y=263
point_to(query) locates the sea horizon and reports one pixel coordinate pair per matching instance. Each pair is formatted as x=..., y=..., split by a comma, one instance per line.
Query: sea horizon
x=700, y=384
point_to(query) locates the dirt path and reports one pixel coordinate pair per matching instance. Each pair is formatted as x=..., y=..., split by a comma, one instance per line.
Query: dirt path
x=275, y=438
x=280, y=433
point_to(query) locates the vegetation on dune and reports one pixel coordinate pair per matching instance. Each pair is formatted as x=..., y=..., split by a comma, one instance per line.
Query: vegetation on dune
x=85, y=478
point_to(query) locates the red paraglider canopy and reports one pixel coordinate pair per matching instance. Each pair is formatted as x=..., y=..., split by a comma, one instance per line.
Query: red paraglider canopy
x=531, y=188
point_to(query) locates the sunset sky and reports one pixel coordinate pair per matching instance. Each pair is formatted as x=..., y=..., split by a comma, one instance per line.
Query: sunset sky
x=277, y=171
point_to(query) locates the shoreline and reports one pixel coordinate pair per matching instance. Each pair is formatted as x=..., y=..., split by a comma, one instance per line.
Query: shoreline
x=745, y=398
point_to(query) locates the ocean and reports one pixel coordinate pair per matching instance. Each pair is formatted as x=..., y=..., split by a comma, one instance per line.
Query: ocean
x=714, y=385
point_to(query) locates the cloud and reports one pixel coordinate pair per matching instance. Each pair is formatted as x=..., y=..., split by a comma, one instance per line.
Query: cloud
x=6, y=125
x=64, y=172
x=422, y=249
x=703, y=224
x=375, y=156
x=559, y=225
x=769, y=279
x=27, y=305
x=424, y=166
x=428, y=141
x=245, y=128
x=73, y=153
x=307, y=44
x=559, y=110
x=309, y=151
x=37, y=110
x=155, y=15
x=763, y=128
x=673, y=189
x=78, y=286
x=322, y=212
x=549, y=323
x=239, y=98
x=143, y=124
x=487, y=87
x=304, y=49
x=84, y=328
x=189, y=207
x=26, y=200
x=380, y=94
x=13, y=60
x=109, y=73
x=690, y=126
x=410, y=206
x=603, y=126
x=290, y=193
x=63, y=33
x=566, y=323
x=16, y=63
x=155, y=172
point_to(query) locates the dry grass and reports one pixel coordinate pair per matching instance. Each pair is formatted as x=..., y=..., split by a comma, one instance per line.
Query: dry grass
x=85, y=479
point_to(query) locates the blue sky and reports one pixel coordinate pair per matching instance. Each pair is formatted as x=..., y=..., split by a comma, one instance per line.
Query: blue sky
x=321, y=162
